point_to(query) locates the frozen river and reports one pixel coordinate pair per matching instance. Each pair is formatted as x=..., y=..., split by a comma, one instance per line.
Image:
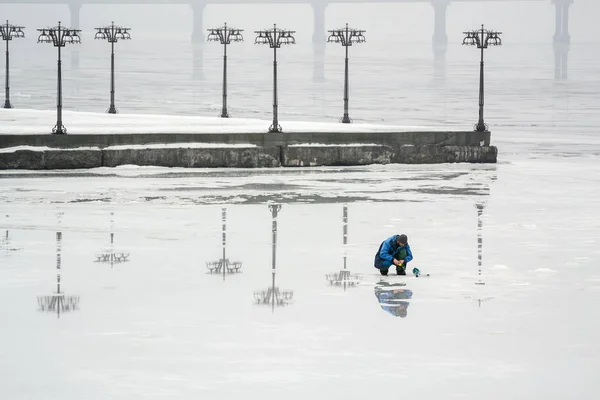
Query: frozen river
x=160, y=326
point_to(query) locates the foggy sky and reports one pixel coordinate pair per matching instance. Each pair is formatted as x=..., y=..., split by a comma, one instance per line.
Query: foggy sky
x=521, y=21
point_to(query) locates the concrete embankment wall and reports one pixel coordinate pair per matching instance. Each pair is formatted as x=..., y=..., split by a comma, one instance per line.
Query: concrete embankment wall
x=244, y=150
x=246, y=157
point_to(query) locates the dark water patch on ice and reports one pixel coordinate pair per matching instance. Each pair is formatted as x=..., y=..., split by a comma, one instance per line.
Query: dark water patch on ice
x=151, y=198
x=52, y=174
x=245, y=186
x=289, y=198
x=464, y=191
x=103, y=199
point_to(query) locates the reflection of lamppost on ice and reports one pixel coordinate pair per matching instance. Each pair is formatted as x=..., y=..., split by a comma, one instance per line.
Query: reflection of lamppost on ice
x=346, y=36
x=275, y=38
x=225, y=36
x=110, y=256
x=59, y=36
x=480, y=207
x=344, y=277
x=482, y=38
x=5, y=241
x=112, y=33
x=58, y=302
x=224, y=266
x=9, y=32
x=273, y=295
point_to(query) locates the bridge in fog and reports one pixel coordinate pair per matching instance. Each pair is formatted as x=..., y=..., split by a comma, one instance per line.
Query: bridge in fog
x=440, y=7
x=439, y=38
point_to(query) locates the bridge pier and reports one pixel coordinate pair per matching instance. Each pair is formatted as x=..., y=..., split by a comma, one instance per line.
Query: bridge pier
x=319, y=38
x=198, y=33
x=562, y=39
x=561, y=61
x=561, y=30
x=75, y=18
x=318, y=64
x=198, y=61
x=440, y=38
x=75, y=12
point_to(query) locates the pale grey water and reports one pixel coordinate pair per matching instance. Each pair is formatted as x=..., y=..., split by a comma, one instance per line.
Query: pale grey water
x=159, y=326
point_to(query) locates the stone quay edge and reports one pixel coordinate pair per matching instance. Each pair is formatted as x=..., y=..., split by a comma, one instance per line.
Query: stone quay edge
x=252, y=150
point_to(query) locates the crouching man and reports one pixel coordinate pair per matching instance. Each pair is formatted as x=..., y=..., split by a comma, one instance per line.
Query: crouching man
x=394, y=250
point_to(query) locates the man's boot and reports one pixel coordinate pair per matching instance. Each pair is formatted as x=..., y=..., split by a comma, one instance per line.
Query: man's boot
x=400, y=270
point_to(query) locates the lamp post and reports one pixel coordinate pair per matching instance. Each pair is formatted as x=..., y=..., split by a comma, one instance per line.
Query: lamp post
x=346, y=36
x=59, y=36
x=225, y=35
x=112, y=33
x=9, y=32
x=275, y=38
x=482, y=38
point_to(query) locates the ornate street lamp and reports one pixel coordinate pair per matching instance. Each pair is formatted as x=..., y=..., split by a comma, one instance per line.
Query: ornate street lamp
x=482, y=38
x=275, y=38
x=273, y=295
x=59, y=36
x=58, y=302
x=9, y=32
x=112, y=33
x=223, y=265
x=346, y=36
x=225, y=35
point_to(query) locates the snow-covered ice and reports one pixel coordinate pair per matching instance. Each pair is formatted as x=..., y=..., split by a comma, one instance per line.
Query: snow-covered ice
x=159, y=325
x=78, y=122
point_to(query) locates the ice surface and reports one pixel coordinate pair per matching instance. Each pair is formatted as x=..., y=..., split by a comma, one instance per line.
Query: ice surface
x=160, y=325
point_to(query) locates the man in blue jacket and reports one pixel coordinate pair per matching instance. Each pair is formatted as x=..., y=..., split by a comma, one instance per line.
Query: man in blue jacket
x=394, y=250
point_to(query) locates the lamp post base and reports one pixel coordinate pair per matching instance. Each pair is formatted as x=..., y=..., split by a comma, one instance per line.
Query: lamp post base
x=112, y=110
x=346, y=119
x=224, y=114
x=7, y=104
x=59, y=130
x=480, y=127
x=275, y=129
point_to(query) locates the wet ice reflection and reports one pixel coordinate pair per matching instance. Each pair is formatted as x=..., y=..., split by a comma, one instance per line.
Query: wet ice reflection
x=224, y=265
x=480, y=208
x=112, y=256
x=273, y=296
x=6, y=245
x=393, y=298
x=58, y=302
x=344, y=278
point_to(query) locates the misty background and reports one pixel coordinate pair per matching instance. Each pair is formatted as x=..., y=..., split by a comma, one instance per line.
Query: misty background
x=522, y=21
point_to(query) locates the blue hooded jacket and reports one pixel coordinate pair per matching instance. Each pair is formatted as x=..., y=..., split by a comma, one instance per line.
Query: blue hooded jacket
x=387, y=249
